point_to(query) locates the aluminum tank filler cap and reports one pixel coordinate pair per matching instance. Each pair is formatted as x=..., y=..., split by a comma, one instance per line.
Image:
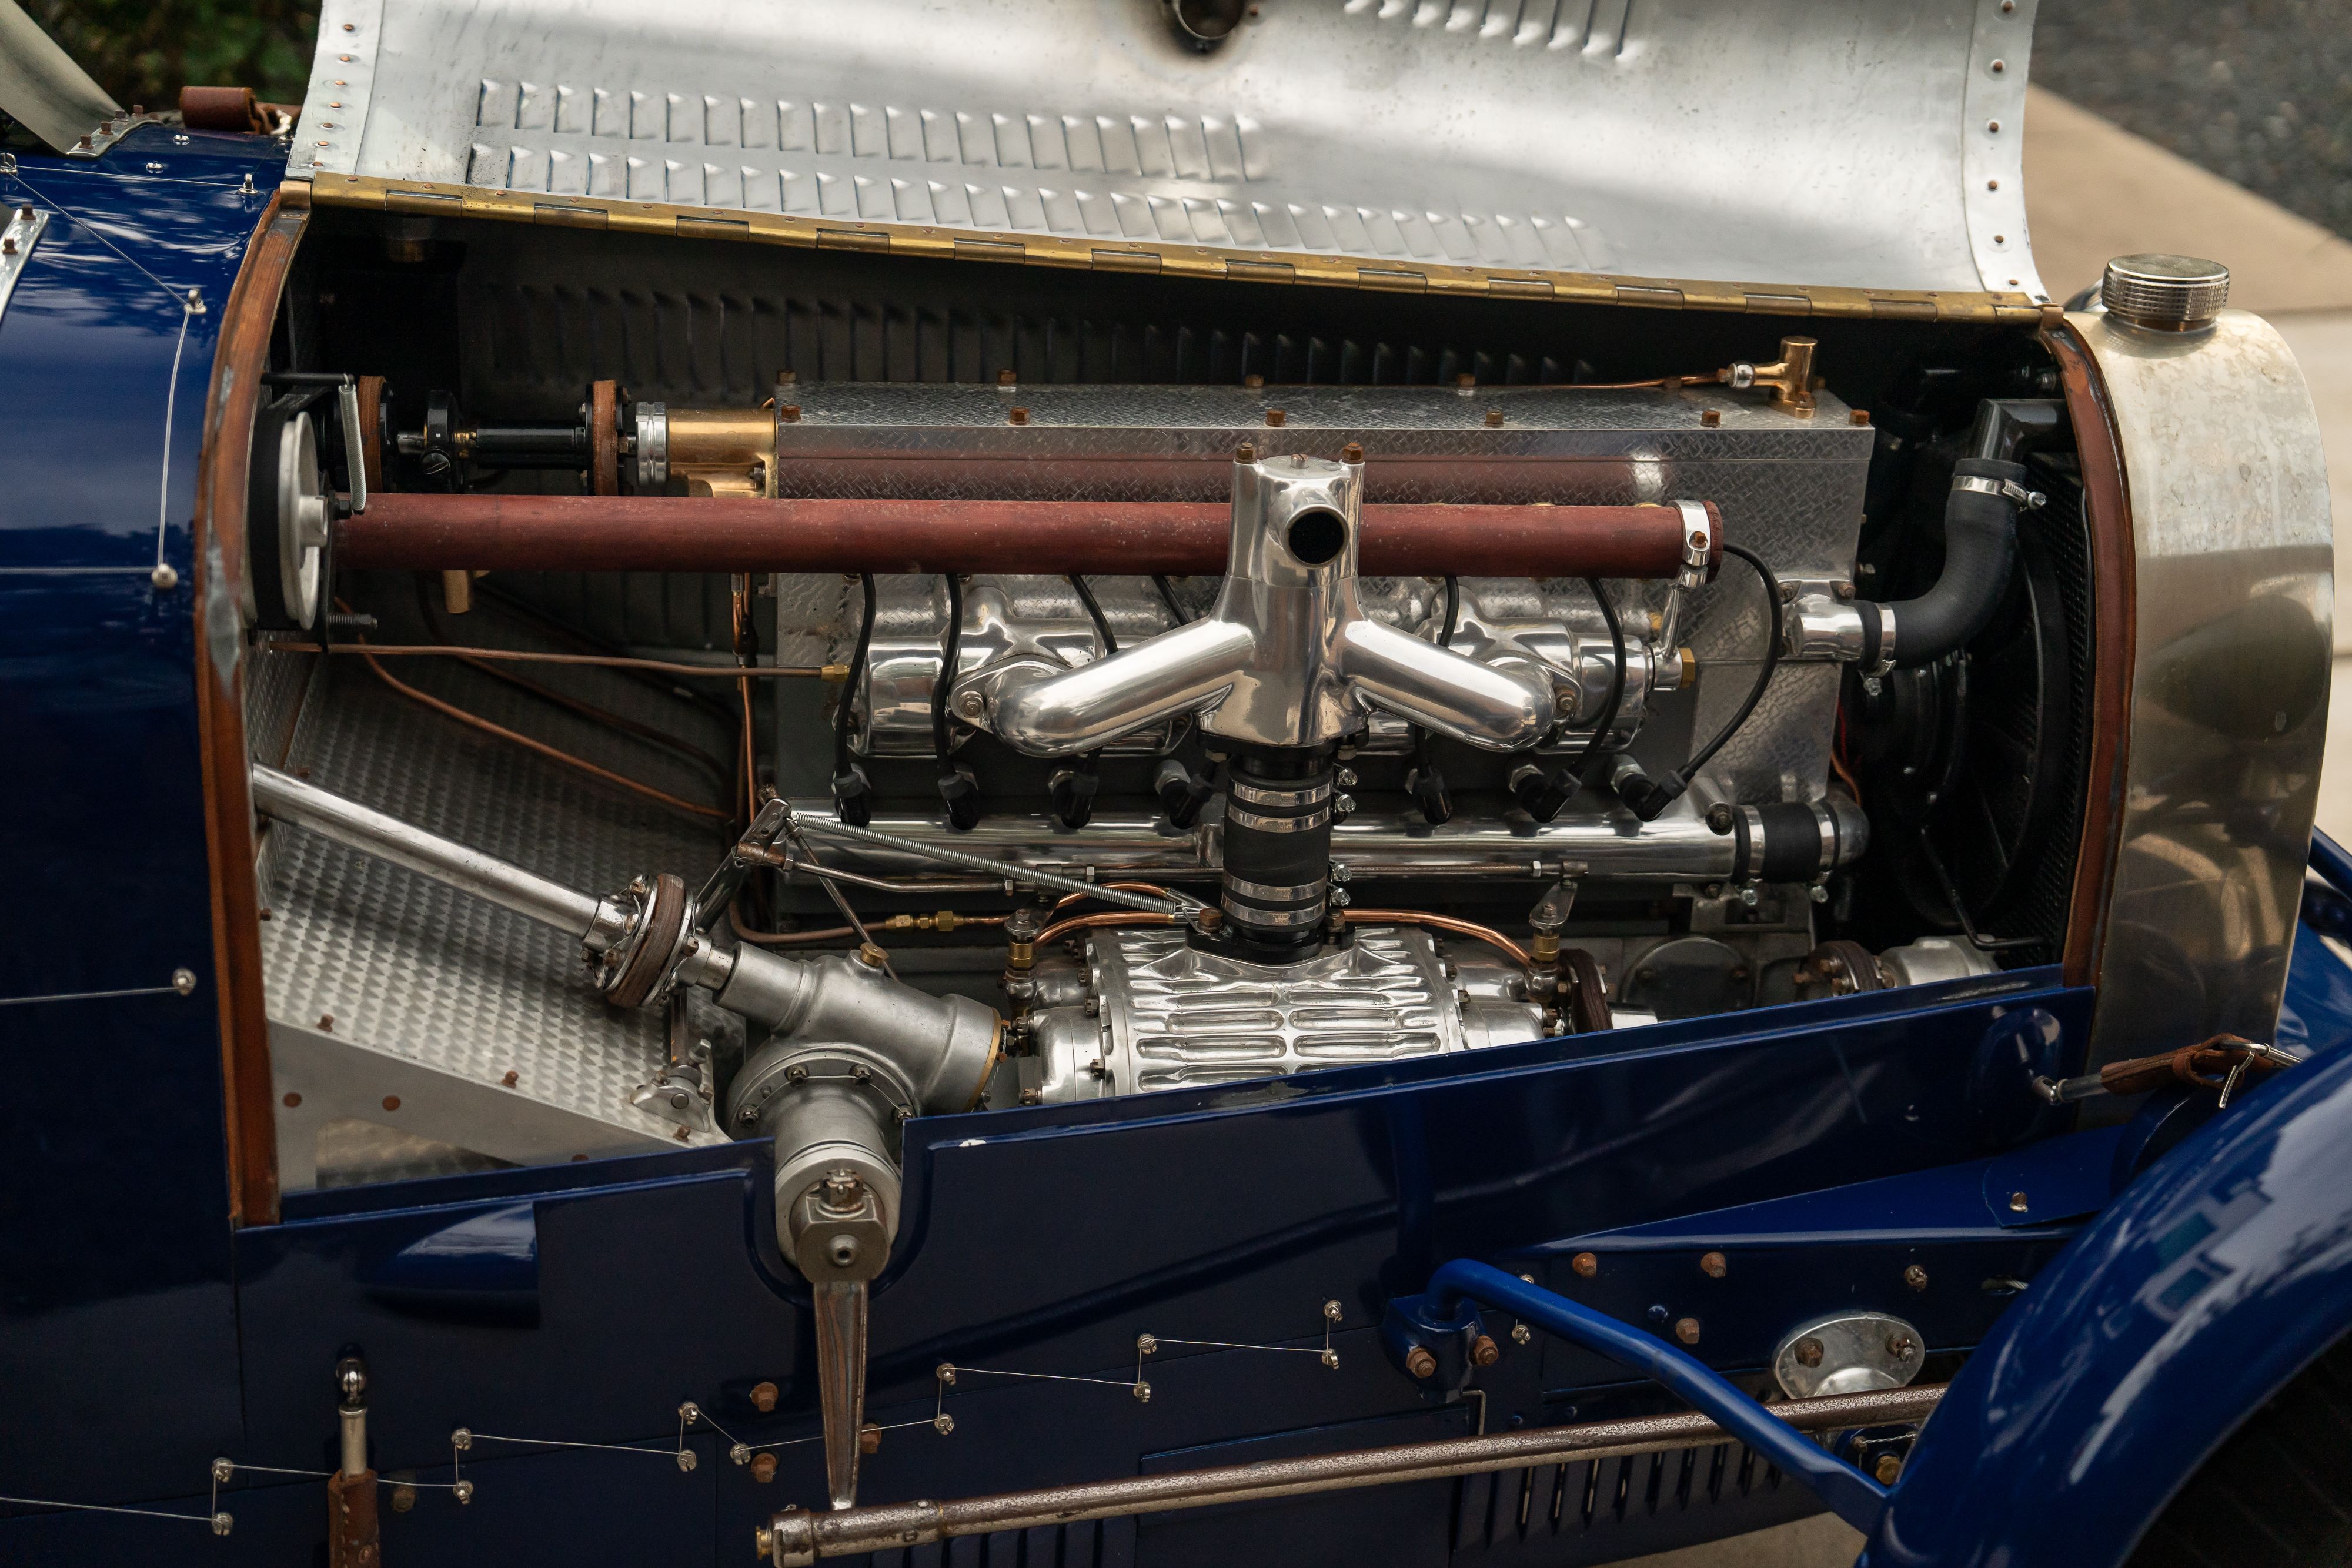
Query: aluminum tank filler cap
x=2165, y=293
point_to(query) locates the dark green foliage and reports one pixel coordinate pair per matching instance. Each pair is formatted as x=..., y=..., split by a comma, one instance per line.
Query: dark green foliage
x=145, y=51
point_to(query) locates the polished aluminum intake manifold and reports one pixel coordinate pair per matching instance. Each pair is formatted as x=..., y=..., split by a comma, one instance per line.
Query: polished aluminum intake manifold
x=1286, y=658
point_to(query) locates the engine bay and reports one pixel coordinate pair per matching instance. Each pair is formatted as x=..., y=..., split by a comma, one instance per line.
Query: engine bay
x=698, y=690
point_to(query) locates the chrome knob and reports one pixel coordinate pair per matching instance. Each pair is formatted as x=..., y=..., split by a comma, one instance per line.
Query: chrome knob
x=2165, y=293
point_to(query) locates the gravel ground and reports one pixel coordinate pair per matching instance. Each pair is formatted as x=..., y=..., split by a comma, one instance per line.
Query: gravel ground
x=2259, y=91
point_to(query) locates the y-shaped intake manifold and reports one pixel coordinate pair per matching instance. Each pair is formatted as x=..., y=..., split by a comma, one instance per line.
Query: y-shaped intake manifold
x=1288, y=658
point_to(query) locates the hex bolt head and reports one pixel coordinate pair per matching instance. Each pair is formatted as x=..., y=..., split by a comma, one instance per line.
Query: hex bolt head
x=763, y=1467
x=1485, y=1351
x=463, y=1491
x=1808, y=1352
x=1687, y=1330
x=1521, y=1333
x=869, y=1438
x=1712, y=1266
x=1888, y=1467
x=1421, y=1363
x=1585, y=1264
x=2017, y=1204
x=1902, y=1346
x=763, y=1397
x=1915, y=1277
x=1143, y=1393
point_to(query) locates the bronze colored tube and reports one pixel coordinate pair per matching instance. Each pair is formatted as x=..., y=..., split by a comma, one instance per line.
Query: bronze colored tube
x=799, y=1538
x=739, y=533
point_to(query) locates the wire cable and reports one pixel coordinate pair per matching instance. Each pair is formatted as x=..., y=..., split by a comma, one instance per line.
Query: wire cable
x=849, y=685
x=1616, y=683
x=1168, y=597
x=1705, y=754
x=950, y=655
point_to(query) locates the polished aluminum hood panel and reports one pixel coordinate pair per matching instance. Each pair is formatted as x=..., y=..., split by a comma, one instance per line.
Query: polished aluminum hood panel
x=1860, y=157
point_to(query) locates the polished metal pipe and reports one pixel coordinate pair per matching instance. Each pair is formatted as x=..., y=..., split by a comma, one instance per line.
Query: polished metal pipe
x=814, y=818
x=1678, y=847
x=289, y=800
x=795, y=1539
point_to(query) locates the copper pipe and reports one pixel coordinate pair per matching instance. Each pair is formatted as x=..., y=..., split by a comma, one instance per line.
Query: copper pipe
x=1089, y=922
x=1068, y=899
x=746, y=534
x=797, y=1538
x=1485, y=934
x=551, y=753
x=521, y=656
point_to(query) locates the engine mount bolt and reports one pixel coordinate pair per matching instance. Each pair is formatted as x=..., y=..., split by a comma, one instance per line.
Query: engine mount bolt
x=1485, y=1351
x=1585, y=1264
x=1687, y=1330
x=763, y=1467
x=763, y=1397
x=1421, y=1363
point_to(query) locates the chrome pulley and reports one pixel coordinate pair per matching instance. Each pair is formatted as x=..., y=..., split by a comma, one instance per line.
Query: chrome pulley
x=287, y=509
x=290, y=501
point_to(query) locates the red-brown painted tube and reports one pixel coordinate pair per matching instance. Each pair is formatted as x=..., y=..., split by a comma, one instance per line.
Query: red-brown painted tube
x=724, y=533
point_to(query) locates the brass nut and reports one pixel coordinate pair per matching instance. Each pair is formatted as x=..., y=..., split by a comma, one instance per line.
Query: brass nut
x=1709, y=418
x=1351, y=452
x=869, y=1438
x=763, y=1397
x=763, y=1467
x=1712, y=1266
x=1421, y=1363
x=1888, y=1467
x=1275, y=416
x=1485, y=1351
x=1585, y=1264
x=1687, y=1330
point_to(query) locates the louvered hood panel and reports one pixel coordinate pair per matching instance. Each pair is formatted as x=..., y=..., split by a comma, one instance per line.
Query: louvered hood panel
x=1781, y=155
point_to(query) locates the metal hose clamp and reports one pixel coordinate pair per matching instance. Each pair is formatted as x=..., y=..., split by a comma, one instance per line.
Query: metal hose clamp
x=2007, y=489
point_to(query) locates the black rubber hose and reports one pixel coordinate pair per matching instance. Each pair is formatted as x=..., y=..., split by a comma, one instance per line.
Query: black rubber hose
x=1979, y=552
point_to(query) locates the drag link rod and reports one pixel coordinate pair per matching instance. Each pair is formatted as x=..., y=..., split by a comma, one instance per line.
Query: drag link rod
x=289, y=800
x=795, y=1539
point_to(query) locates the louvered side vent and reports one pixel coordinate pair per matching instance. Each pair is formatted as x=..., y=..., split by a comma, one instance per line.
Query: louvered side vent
x=1602, y=1510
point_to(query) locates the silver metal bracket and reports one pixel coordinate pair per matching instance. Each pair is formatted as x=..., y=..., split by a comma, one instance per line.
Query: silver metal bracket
x=17, y=242
x=95, y=143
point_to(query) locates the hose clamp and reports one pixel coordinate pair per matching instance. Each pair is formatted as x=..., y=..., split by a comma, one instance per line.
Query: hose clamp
x=2007, y=489
x=1886, y=636
x=1698, y=543
x=652, y=444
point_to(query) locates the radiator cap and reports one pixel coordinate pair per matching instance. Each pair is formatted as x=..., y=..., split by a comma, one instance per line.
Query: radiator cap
x=2166, y=293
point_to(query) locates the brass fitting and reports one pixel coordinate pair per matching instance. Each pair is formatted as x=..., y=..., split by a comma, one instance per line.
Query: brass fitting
x=1789, y=379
